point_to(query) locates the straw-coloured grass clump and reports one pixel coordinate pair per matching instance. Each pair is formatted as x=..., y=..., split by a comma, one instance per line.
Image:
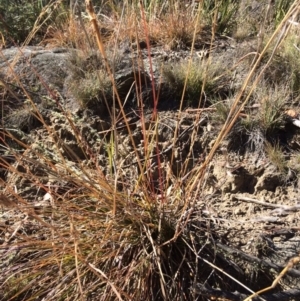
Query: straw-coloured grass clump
x=77, y=237
x=149, y=171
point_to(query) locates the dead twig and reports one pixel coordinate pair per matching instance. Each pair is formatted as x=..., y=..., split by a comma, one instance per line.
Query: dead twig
x=218, y=294
x=294, y=261
x=283, y=207
x=254, y=260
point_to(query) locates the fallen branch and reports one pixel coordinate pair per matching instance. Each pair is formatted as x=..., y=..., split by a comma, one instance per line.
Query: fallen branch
x=284, y=207
x=294, y=261
x=237, y=296
x=261, y=262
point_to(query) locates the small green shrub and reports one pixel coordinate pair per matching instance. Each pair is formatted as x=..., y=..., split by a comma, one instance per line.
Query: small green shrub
x=17, y=18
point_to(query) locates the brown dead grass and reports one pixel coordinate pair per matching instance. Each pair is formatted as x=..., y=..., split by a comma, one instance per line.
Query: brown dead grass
x=77, y=234
x=172, y=29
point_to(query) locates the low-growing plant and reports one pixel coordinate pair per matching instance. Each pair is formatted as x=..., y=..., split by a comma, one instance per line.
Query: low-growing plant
x=89, y=82
x=176, y=29
x=263, y=122
x=271, y=114
x=281, y=8
x=294, y=163
x=18, y=19
x=277, y=157
x=93, y=89
x=222, y=110
x=289, y=52
x=221, y=15
x=212, y=79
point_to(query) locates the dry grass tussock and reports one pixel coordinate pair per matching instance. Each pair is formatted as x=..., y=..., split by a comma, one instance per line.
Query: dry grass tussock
x=79, y=231
x=164, y=24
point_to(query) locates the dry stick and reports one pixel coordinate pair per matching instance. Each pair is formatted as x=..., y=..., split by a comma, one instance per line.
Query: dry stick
x=150, y=60
x=255, y=260
x=284, y=207
x=115, y=153
x=289, y=266
x=157, y=255
x=106, y=278
x=75, y=236
x=219, y=269
x=201, y=177
x=218, y=294
x=145, y=134
x=229, y=276
x=287, y=269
